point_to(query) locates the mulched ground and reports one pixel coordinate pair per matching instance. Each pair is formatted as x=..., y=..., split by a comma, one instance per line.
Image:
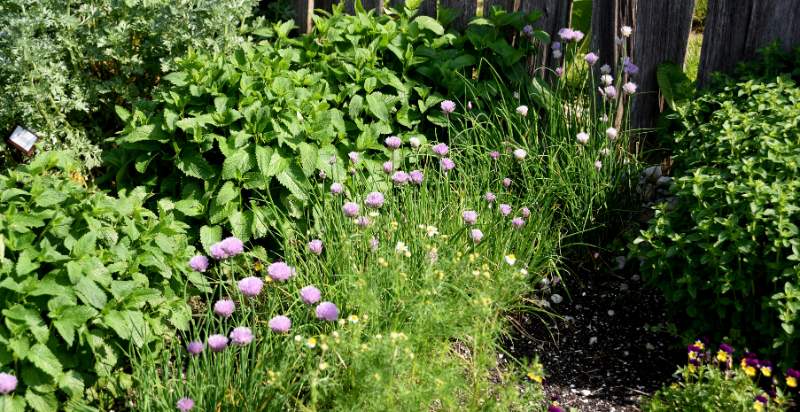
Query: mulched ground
x=608, y=348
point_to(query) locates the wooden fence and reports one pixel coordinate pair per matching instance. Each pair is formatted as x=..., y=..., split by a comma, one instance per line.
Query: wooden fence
x=734, y=30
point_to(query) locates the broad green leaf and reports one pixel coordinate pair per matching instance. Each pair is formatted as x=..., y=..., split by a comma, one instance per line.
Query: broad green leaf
x=85, y=245
x=12, y=403
x=429, y=23
x=210, y=235
x=122, y=113
x=193, y=164
x=31, y=318
x=71, y=319
x=240, y=224
x=72, y=384
x=675, y=86
x=41, y=357
x=24, y=263
x=226, y=194
x=50, y=198
x=89, y=293
x=41, y=402
x=176, y=78
x=294, y=180
x=189, y=207
x=356, y=106
x=237, y=164
x=263, y=158
x=308, y=158
x=377, y=106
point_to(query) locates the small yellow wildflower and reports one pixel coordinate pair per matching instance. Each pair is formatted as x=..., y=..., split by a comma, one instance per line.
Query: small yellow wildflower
x=791, y=381
x=311, y=342
x=534, y=377
x=353, y=318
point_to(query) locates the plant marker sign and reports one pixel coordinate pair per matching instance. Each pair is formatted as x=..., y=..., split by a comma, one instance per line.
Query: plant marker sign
x=23, y=140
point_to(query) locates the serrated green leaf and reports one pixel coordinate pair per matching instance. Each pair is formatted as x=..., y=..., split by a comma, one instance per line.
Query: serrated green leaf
x=210, y=235
x=294, y=180
x=263, y=158
x=71, y=319
x=429, y=23
x=88, y=292
x=41, y=357
x=50, y=198
x=377, y=106
x=308, y=158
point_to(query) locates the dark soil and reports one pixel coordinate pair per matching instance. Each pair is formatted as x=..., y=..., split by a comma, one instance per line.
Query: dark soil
x=607, y=348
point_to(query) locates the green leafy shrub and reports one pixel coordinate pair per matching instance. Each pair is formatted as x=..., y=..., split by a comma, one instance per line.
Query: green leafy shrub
x=84, y=277
x=64, y=64
x=232, y=132
x=729, y=252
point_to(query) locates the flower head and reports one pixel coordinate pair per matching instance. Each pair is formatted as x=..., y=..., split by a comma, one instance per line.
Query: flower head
x=792, y=377
x=232, y=246
x=591, y=58
x=280, y=324
x=525, y=212
x=559, y=71
x=522, y=110
x=280, y=271
x=251, y=286
x=605, y=69
x=217, y=252
x=310, y=295
x=327, y=311
x=609, y=92
x=225, y=307
x=629, y=88
x=554, y=407
x=373, y=243
x=354, y=157
x=490, y=197
x=448, y=106
x=393, y=142
x=566, y=34
x=362, y=221
x=440, y=149
x=555, y=45
x=241, y=335
x=510, y=259
x=374, y=200
x=611, y=133
x=400, y=178
x=506, y=182
x=199, y=263
x=520, y=154
x=626, y=31
x=557, y=55
x=337, y=188
x=194, y=347
x=494, y=154
x=416, y=177
x=8, y=383
x=315, y=246
x=447, y=164
x=606, y=79
x=350, y=209
x=414, y=142
x=582, y=138
x=527, y=30
x=469, y=216
x=598, y=165
x=628, y=66
x=476, y=235
x=505, y=209
x=518, y=222
x=388, y=167
x=217, y=343
x=185, y=404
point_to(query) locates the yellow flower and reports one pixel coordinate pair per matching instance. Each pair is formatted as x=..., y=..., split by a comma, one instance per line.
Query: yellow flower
x=692, y=368
x=722, y=356
x=311, y=342
x=699, y=344
x=353, y=318
x=511, y=259
x=791, y=381
x=750, y=371
x=766, y=371
x=758, y=406
x=534, y=377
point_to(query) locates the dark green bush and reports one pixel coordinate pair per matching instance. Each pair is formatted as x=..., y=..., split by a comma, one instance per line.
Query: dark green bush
x=83, y=278
x=231, y=135
x=729, y=253
x=65, y=64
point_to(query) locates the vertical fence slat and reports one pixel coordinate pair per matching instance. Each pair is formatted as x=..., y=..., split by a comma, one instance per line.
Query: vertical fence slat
x=466, y=9
x=303, y=11
x=736, y=29
x=555, y=13
x=607, y=18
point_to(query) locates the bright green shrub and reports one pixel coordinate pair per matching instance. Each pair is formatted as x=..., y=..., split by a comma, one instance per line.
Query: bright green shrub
x=83, y=277
x=64, y=64
x=231, y=132
x=729, y=252
x=710, y=389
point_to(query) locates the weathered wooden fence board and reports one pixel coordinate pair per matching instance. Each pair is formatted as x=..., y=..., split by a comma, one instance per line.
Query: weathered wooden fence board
x=736, y=29
x=303, y=11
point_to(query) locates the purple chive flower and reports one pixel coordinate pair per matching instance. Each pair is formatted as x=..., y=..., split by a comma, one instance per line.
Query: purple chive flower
x=469, y=216
x=447, y=164
x=448, y=106
x=400, y=178
x=469, y=105
x=280, y=271
x=374, y=200
x=280, y=324
x=217, y=252
x=388, y=167
x=225, y=307
x=217, y=343
x=373, y=243
x=251, y=286
x=557, y=54
x=605, y=69
x=629, y=88
x=393, y=142
x=354, y=157
x=525, y=212
x=327, y=311
x=362, y=221
x=527, y=30
x=416, y=177
x=555, y=45
x=494, y=155
x=591, y=58
x=522, y=110
x=350, y=209
x=578, y=35
x=518, y=222
x=241, y=336
x=628, y=66
x=337, y=188
x=199, y=263
x=440, y=149
x=195, y=347
x=476, y=235
x=566, y=34
x=506, y=182
x=520, y=154
x=490, y=197
x=414, y=142
x=232, y=246
x=559, y=71
x=310, y=295
x=8, y=383
x=185, y=404
x=505, y=209
x=598, y=164
x=315, y=246
x=609, y=92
